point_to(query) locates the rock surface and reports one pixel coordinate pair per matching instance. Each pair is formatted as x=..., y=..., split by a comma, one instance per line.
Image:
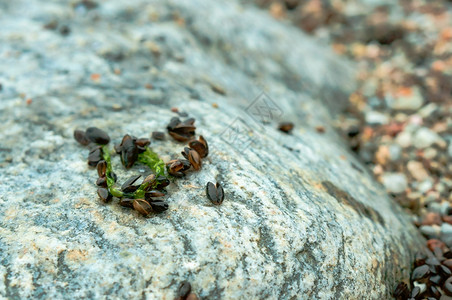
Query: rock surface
x=301, y=217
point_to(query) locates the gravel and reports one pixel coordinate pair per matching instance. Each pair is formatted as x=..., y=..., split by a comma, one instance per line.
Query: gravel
x=395, y=182
x=424, y=138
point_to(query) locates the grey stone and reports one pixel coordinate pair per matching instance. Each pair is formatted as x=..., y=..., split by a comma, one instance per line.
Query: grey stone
x=417, y=170
x=395, y=152
x=376, y=118
x=449, y=149
x=432, y=232
x=425, y=137
x=428, y=110
x=410, y=102
x=444, y=208
x=297, y=222
x=425, y=185
x=395, y=182
x=446, y=234
x=404, y=139
x=435, y=207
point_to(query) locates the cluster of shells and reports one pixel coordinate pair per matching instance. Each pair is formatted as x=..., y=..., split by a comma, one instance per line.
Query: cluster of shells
x=431, y=277
x=145, y=197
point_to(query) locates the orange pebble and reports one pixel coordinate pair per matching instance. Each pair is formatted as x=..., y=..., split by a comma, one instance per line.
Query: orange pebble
x=438, y=65
x=434, y=243
x=447, y=219
x=404, y=91
x=95, y=77
x=446, y=33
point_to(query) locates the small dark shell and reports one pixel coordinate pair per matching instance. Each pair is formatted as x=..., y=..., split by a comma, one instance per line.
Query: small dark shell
x=420, y=273
x=162, y=182
x=95, y=149
x=158, y=206
x=131, y=189
x=158, y=135
x=401, y=291
x=102, y=168
x=192, y=296
x=200, y=146
x=448, y=254
x=179, y=137
x=154, y=194
x=150, y=178
x=142, y=142
x=444, y=271
x=187, y=165
x=185, y=152
x=97, y=136
x=181, y=131
x=432, y=261
x=286, y=127
x=184, y=129
x=126, y=202
x=447, y=288
x=176, y=174
x=118, y=148
x=94, y=157
x=419, y=259
x=415, y=292
x=104, y=195
x=189, y=121
x=175, y=167
x=194, y=159
x=142, y=206
x=141, y=149
x=448, y=263
x=434, y=292
x=129, y=184
x=173, y=123
x=79, y=136
x=215, y=193
x=129, y=151
x=114, y=176
x=101, y=181
x=184, y=289
x=220, y=192
x=206, y=145
x=435, y=279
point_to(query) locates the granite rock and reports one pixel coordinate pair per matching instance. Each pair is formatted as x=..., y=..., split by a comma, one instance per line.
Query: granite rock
x=301, y=217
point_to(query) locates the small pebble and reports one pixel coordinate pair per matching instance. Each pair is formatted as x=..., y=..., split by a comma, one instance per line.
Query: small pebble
x=395, y=182
x=424, y=138
x=446, y=234
x=431, y=232
x=432, y=218
x=417, y=170
x=376, y=118
x=404, y=139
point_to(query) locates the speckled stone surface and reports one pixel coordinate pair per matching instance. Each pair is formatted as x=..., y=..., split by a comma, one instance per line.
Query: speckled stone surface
x=302, y=219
